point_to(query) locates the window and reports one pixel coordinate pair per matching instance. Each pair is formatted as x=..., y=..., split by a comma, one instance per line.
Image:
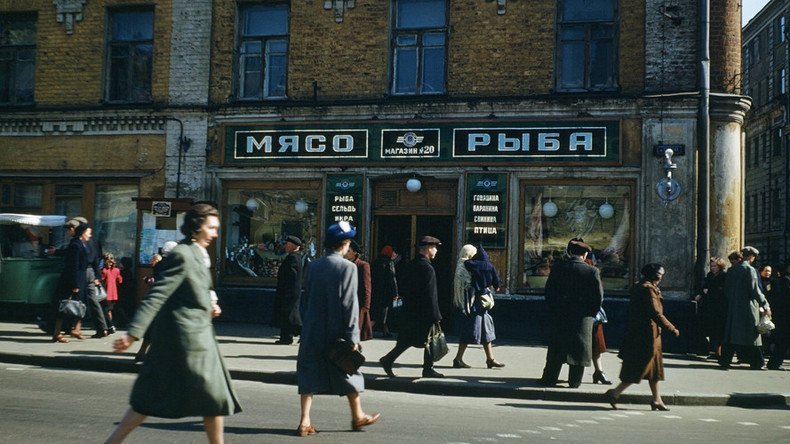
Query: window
x=781, y=80
x=130, y=55
x=419, y=47
x=765, y=210
x=263, y=51
x=586, y=49
x=600, y=214
x=776, y=141
x=115, y=221
x=780, y=29
x=258, y=216
x=748, y=211
x=17, y=57
x=776, y=205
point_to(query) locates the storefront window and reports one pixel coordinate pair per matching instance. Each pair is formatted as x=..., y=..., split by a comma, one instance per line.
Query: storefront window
x=115, y=223
x=257, y=221
x=599, y=214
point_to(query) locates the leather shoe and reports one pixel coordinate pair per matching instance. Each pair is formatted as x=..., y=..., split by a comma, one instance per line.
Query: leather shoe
x=306, y=430
x=281, y=342
x=59, y=338
x=431, y=373
x=601, y=377
x=458, y=363
x=356, y=425
x=611, y=398
x=387, y=366
x=100, y=334
x=77, y=335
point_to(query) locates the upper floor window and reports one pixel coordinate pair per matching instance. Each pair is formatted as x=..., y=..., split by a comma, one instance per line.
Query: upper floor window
x=586, y=45
x=263, y=51
x=781, y=80
x=419, y=47
x=780, y=29
x=17, y=57
x=130, y=44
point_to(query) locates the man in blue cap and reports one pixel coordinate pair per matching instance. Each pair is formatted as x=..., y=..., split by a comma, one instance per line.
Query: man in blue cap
x=418, y=289
x=332, y=314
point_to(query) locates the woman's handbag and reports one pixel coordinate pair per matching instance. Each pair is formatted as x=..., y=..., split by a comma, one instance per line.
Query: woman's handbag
x=341, y=353
x=600, y=317
x=99, y=294
x=437, y=343
x=72, y=307
x=486, y=299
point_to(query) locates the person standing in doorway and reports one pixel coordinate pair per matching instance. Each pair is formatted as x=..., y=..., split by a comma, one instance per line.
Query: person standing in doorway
x=384, y=288
x=418, y=289
x=363, y=291
x=332, y=314
x=574, y=294
x=289, y=292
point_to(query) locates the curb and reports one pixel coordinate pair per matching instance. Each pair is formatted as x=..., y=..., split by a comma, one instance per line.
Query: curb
x=425, y=387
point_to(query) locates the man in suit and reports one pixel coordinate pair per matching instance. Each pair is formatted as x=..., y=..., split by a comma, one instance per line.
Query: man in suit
x=289, y=292
x=574, y=294
x=417, y=281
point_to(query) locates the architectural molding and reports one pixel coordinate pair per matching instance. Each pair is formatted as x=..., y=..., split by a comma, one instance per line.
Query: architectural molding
x=90, y=126
x=69, y=11
x=340, y=7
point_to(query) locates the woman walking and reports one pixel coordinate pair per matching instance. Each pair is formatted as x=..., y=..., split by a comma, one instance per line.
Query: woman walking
x=641, y=350
x=332, y=315
x=476, y=324
x=73, y=281
x=713, y=305
x=183, y=373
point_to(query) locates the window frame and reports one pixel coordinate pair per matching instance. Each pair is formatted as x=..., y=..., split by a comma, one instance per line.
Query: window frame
x=15, y=50
x=130, y=44
x=241, y=39
x=589, y=25
x=420, y=47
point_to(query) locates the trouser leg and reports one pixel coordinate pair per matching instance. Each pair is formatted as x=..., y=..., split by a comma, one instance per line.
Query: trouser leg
x=427, y=360
x=780, y=351
x=551, y=372
x=286, y=335
x=727, y=352
x=575, y=373
x=99, y=323
x=756, y=359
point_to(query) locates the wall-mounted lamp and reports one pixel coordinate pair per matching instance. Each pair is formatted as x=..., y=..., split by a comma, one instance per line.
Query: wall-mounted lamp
x=667, y=188
x=413, y=185
x=300, y=206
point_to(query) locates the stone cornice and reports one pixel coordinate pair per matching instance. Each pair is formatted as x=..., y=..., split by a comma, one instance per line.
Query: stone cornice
x=89, y=125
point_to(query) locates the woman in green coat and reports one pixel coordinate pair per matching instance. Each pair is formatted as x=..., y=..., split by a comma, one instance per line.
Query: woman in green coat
x=183, y=373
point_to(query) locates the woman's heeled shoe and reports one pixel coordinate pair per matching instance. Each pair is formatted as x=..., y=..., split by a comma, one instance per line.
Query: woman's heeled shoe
x=611, y=398
x=656, y=406
x=60, y=338
x=356, y=425
x=459, y=363
x=493, y=363
x=601, y=377
x=306, y=430
x=76, y=334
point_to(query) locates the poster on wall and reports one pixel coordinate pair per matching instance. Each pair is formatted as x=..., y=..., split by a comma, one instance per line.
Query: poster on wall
x=486, y=210
x=344, y=199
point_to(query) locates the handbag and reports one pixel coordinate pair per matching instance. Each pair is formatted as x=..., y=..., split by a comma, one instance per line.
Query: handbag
x=342, y=355
x=437, y=343
x=600, y=317
x=486, y=299
x=72, y=307
x=765, y=325
x=99, y=294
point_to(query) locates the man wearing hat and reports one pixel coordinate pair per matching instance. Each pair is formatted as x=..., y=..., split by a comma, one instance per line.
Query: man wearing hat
x=417, y=285
x=289, y=291
x=745, y=303
x=574, y=294
x=332, y=315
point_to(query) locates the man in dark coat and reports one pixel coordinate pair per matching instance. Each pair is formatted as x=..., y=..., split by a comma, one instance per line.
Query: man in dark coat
x=385, y=288
x=417, y=281
x=780, y=308
x=289, y=292
x=574, y=294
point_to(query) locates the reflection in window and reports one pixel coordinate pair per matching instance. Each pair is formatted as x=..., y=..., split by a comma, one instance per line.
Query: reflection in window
x=115, y=221
x=557, y=213
x=130, y=51
x=419, y=47
x=263, y=51
x=257, y=223
x=28, y=196
x=586, y=45
x=17, y=57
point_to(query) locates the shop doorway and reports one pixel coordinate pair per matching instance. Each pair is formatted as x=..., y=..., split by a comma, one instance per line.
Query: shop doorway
x=401, y=218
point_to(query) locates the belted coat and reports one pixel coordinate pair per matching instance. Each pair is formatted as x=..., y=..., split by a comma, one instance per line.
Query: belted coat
x=744, y=300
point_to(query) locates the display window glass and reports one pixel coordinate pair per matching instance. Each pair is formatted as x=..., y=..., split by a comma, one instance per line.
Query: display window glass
x=599, y=214
x=257, y=220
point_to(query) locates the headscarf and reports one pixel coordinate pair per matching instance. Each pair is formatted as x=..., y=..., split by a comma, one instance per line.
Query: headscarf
x=462, y=278
x=483, y=273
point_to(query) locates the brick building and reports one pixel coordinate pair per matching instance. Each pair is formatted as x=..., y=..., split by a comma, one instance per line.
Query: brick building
x=765, y=72
x=515, y=124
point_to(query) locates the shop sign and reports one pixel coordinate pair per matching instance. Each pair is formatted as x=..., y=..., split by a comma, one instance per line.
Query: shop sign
x=344, y=199
x=486, y=209
x=289, y=144
x=409, y=143
x=530, y=142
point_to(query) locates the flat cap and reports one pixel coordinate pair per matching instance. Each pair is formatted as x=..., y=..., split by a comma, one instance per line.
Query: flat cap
x=750, y=251
x=428, y=240
x=76, y=221
x=294, y=240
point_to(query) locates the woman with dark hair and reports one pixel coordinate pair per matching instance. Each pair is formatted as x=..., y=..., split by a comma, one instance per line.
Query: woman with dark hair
x=183, y=373
x=713, y=305
x=641, y=350
x=73, y=280
x=477, y=326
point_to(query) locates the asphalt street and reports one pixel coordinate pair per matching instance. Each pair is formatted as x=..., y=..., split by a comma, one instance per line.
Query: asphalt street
x=44, y=405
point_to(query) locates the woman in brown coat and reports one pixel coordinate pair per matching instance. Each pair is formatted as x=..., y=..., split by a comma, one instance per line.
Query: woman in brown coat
x=641, y=350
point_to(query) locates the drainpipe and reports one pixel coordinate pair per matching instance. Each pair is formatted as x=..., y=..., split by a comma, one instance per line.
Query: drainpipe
x=703, y=139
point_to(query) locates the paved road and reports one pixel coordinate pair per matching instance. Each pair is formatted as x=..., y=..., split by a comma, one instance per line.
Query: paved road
x=40, y=405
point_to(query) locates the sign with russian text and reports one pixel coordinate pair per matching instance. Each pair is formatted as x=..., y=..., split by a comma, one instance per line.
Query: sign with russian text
x=407, y=143
x=344, y=202
x=281, y=144
x=530, y=142
x=486, y=209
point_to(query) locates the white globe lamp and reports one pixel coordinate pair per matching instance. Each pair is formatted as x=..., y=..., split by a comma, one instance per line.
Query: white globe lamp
x=550, y=209
x=413, y=185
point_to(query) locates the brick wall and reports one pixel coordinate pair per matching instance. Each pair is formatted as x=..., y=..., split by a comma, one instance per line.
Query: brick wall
x=671, y=47
x=725, y=46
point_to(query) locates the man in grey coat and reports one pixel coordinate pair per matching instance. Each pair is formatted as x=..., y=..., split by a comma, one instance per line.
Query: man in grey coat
x=332, y=314
x=574, y=294
x=744, y=298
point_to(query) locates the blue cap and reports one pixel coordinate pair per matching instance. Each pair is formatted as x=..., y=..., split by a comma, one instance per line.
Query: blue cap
x=338, y=232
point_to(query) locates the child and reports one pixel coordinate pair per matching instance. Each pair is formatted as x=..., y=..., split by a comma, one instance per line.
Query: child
x=111, y=277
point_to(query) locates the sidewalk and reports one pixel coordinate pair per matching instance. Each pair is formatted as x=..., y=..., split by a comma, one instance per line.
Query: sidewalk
x=251, y=354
